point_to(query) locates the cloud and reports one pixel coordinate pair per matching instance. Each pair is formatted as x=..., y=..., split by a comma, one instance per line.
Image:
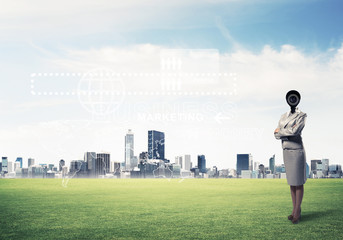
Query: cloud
x=27, y=106
x=267, y=73
x=137, y=58
x=64, y=19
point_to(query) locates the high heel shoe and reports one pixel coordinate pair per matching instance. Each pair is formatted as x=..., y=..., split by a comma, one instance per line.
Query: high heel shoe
x=296, y=220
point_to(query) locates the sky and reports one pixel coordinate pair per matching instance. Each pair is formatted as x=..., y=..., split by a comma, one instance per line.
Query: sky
x=212, y=75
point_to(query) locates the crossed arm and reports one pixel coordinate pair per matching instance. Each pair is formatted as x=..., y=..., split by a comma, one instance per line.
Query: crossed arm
x=291, y=129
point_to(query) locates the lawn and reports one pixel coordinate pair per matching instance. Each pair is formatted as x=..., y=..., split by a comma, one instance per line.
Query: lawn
x=167, y=209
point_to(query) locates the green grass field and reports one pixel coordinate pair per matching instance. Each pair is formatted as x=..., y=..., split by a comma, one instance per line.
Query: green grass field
x=163, y=209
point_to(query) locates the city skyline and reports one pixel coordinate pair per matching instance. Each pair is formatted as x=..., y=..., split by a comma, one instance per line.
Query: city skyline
x=96, y=160
x=99, y=165
x=129, y=154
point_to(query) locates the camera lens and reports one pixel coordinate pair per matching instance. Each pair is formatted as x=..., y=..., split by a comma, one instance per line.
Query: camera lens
x=293, y=99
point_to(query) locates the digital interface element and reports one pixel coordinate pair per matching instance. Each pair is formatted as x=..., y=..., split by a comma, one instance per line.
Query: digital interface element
x=180, y=73
x=185, y=71
x=101, y=91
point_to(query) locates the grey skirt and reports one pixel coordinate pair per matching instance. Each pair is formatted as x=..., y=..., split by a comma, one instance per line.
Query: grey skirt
x=295, y=165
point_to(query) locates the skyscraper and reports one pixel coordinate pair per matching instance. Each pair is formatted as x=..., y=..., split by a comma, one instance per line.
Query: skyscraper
x=156, y=143
x=10, y=167
x=129, y=149
x=256, y=164
x=178, y=160
x=30, y=162
x=20, y=160
x=4, y=164
x=186, y=162
x=103, y=162
x=251, y=163
x=243, y=161
x=272, y=164
x=90, y=159
x=202, y=163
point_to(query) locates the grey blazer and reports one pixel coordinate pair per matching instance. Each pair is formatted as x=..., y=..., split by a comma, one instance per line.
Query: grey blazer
x=290, y=126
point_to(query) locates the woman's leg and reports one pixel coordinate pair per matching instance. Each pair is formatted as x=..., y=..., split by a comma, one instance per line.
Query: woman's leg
x=298, y=199
x=293, y=194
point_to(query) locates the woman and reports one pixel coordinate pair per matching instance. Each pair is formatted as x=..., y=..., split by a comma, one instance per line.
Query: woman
x=289, y=132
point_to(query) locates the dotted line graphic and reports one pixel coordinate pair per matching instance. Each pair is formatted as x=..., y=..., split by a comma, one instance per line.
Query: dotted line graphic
x=134, y=93
x=134, y=74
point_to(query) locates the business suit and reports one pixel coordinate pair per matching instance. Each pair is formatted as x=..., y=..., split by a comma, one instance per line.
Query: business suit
x=290, y=128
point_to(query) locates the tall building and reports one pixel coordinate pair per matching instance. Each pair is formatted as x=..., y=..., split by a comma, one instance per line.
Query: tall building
x=61, y=164
x=202, y=163
x=256, y=164
x=129, y=149
x=243, y=162
x=30, y=162
x=251, y=163
x=10, y=167
x=90, y=159
x=4, y=164
x=272, y=164
x=156, y=143
x=314, y=165
x=325, y=163
x=186, y=162
x=103, y=162
x=20, y=160
x=178, y=160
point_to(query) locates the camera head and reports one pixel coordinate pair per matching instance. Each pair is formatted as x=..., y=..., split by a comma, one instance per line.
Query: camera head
x=293, y=98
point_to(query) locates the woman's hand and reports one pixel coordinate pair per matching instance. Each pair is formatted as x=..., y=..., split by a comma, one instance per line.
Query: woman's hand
x=277, y=130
